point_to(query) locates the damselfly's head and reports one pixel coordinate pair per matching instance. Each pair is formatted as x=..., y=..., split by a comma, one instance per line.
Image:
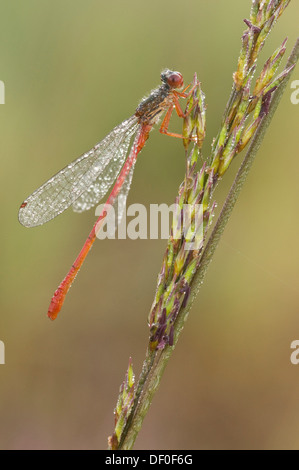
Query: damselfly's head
x=172, y=79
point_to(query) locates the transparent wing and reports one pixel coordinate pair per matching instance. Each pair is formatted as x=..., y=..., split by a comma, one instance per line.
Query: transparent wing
x=79, y=178
x=99, y=188
x=119, y=206
x=123, y=195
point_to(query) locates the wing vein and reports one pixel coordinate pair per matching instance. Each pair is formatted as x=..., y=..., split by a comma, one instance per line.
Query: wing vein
x=83, y=182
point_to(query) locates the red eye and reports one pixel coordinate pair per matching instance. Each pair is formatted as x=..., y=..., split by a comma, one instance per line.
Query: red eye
x=175, y=80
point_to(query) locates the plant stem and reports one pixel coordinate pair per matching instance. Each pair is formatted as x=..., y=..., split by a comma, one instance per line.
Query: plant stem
x=156, y=361
x=238, y=184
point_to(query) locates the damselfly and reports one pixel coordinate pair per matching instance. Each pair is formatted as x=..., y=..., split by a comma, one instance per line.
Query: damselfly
x=85, y=181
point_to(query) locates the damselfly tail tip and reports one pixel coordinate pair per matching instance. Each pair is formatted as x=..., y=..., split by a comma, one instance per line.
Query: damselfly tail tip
x=52, y=313
x=56, y=304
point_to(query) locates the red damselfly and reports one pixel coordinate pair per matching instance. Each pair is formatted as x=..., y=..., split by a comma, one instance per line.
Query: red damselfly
x=85, y=181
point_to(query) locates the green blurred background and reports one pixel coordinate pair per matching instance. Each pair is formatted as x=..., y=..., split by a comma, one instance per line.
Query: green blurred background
x=72, y=70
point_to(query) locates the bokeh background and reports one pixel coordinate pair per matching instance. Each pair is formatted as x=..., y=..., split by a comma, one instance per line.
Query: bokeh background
x=72, y=71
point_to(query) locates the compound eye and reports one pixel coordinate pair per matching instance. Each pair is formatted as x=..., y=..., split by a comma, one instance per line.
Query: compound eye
x=175, y=80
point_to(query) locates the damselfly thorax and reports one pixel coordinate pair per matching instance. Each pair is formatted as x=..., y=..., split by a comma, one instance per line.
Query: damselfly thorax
x=150, y=109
